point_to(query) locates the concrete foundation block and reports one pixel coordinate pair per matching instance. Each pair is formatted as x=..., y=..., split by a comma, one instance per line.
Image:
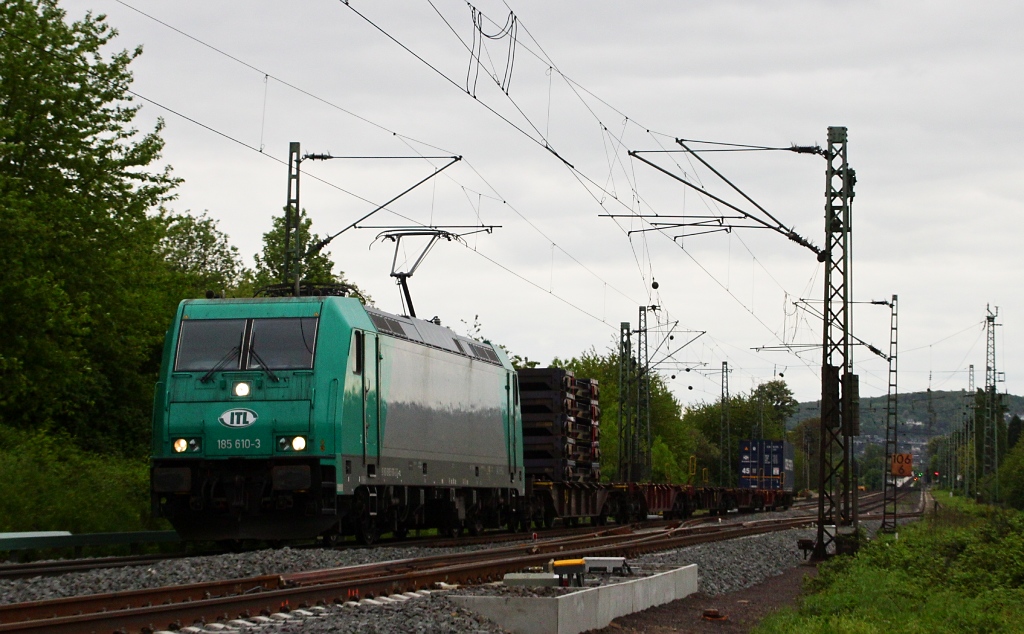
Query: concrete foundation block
x=588, y=609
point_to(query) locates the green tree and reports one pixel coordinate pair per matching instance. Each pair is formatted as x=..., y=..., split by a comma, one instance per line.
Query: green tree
x=1013, y=432
x=82, y=305
x=872, y=467
x=761, y=414
x=317, y=268
x=805, y=438
x=199, y=254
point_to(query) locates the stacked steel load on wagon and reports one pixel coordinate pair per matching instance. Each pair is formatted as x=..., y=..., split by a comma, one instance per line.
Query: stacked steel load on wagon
x=585, y=429
x=559, y=429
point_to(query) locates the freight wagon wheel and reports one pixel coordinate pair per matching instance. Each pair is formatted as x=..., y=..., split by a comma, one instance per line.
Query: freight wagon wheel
x=476, y=525
x=549, y=516
x=452, y=529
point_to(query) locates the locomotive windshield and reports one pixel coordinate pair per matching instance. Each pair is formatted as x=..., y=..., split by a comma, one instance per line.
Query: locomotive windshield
x=210, y=345
x=205, y=343
x=282, y=344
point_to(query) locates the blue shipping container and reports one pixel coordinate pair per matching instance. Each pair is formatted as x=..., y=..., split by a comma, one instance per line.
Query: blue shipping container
x=766, y=464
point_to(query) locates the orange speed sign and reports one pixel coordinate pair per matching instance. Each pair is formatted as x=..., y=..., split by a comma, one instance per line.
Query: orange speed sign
x=903, y=465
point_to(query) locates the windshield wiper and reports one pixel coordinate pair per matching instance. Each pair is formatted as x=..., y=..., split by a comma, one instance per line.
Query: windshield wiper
x=220, y=364
x=259, y=359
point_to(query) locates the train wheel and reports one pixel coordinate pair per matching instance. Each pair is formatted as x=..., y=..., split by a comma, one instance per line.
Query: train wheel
x=367, y=531
x=476, y=525
x=331, y=538
x=401, y=532
x=549, y=517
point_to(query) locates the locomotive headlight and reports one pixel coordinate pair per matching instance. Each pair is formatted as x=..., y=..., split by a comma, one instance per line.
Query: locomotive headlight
x=299, y=443
x=180, y=445
x=193, y=444
x=242, y=389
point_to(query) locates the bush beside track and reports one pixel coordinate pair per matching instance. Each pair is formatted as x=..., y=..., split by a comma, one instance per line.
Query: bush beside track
x=51, y=484
x=961, y=569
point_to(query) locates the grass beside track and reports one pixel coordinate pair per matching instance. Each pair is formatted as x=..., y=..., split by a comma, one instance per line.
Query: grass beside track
x=960, y=569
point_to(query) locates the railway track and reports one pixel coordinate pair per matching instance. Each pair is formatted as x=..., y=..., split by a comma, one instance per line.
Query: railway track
x=65, y=566
x=869, y=503
x=171, y=607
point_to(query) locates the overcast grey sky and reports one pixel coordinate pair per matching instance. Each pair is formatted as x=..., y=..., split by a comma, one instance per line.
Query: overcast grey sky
x=930, y=92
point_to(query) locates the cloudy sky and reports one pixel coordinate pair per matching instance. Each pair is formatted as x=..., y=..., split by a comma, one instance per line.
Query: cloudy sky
x=544, y=113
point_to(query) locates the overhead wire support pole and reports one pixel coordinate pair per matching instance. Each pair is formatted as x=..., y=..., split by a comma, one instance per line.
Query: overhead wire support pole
x=972, y=423
x=643, y=394
x=293, y=221
x=990, y=465
x=838, y=383
x=725, y=443
x=891, y=425
x=626, y=412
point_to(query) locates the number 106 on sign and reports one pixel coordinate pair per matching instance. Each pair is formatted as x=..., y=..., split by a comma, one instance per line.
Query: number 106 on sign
x=902, y=465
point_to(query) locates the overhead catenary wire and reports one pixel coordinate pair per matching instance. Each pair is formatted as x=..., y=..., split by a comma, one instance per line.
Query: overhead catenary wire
x=257, y=150
x=584, y=180
x=402, y=137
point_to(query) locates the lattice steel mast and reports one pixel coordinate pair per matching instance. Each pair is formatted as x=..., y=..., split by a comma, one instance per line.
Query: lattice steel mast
x=892, y=442
x=838, y=383
x=971, y=468
x=293, y=223
x=992, y=413
x=725, y=436
x=627, y=413
x=643, y=395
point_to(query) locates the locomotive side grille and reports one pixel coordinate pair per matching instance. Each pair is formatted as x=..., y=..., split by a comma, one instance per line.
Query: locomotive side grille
x=483, y=352
x=388, y=325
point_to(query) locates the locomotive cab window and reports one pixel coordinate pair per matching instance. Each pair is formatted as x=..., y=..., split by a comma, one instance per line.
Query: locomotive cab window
x=358, y=336
x=207, y=343
x=282, y=344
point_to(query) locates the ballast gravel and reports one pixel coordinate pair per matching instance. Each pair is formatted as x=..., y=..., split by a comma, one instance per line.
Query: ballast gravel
x=187, y=570
x=723, y=567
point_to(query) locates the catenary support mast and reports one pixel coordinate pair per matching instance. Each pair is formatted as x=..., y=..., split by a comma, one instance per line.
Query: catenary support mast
x=627, y=428
x=838, y=383
x=992, y=410
x=293, y=222
x=725, y=436
x=892, y=442
x=643, y=396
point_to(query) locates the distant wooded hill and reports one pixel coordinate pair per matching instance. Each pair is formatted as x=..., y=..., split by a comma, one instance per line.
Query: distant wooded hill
x=911, y=407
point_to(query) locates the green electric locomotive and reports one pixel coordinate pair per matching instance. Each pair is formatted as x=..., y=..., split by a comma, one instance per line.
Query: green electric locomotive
x=291, y=418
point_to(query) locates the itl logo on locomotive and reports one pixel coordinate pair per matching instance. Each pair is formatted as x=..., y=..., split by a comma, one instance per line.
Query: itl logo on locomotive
x=238, y=418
